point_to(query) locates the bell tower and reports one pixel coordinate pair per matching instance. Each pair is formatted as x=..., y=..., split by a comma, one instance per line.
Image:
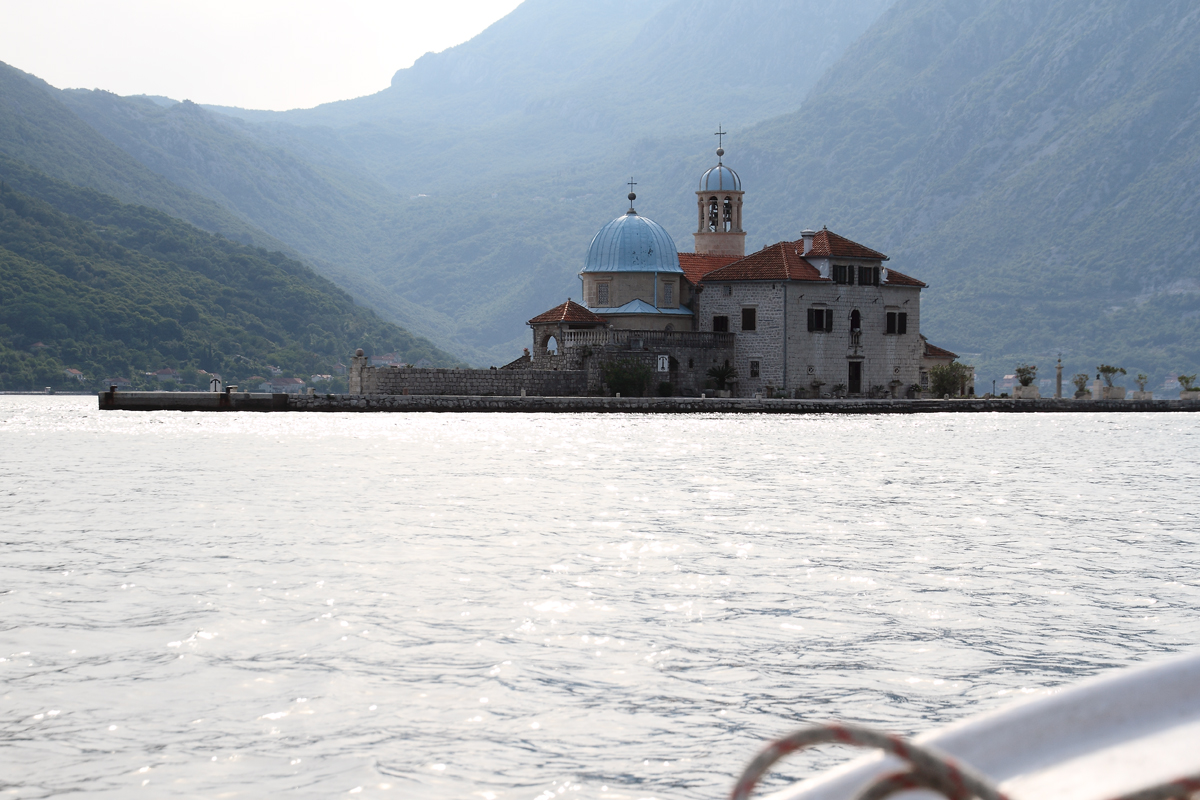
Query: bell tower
x=719, y=209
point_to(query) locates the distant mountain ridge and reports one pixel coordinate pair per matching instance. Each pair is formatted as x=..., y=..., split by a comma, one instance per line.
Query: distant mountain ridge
x=1037, y=162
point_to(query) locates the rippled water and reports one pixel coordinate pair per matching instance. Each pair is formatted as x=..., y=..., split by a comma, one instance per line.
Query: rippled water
x=528, y=606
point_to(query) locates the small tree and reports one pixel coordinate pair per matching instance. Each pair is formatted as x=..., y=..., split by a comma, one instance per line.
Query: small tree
x=627, y=376
x=722, y=374
x=1141, y=380
x=1108, y=373
x=947, y=379
x=1080, y=379
x=1188, y=382
x=1026, y=374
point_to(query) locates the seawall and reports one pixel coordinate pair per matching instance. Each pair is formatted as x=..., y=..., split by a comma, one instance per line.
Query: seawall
x=245, y=401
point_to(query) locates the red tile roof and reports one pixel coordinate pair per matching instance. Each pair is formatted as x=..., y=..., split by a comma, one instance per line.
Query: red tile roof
x=697, y=265
x=895, y=278
x=933, y=351
x=827, y=244
x=569, y=311
x=777, y=262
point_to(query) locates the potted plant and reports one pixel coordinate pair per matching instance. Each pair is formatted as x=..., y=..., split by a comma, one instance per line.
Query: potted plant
x=723, y=374
x=839, y=390
x=1141, y=394
x=1189, y=390
x=1026, y=374
x=895, y=385
x=816, y=384
x=1080, y=380
x=1108, y=391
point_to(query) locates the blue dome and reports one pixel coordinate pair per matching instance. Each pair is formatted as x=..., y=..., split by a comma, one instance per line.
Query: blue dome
x=720, y=179
x=631, y=243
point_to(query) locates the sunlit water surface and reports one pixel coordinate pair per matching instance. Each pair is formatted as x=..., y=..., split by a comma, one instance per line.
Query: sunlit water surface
x=528, y=606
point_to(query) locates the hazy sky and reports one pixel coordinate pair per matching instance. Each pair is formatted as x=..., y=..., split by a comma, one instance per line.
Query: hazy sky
x=275, y=54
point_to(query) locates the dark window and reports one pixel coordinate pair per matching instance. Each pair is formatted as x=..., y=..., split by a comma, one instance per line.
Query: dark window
x=728, y=290
x=891, y=322
x=855, y=320
x=843, y=273
x=602, y=295
x=691, y=363
x=868, y=276
x=721, y=324
x=902, y=322
x=749, y=319
x=820, y=319
x=754, y=370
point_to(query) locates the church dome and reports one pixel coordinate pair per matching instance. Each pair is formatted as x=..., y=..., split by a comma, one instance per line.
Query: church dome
x=720, y=179
x=632, y=243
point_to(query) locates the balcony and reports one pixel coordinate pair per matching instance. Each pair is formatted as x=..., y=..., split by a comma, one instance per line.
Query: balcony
x=648, y=340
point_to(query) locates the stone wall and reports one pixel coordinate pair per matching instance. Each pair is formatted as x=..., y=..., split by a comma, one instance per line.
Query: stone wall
x=368, y=380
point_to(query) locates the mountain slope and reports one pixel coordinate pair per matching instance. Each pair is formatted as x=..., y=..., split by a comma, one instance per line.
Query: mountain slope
x=36, y=128
x=1037, y=163
x=519, y=142
x=113, y=289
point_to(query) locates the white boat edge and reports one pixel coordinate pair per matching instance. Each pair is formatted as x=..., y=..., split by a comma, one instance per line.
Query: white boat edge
x=1120, y=731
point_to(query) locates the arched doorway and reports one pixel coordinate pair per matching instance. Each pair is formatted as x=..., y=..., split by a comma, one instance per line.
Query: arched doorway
x=551, y=346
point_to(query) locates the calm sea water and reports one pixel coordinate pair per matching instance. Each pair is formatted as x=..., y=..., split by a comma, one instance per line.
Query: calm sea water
x=529, y=607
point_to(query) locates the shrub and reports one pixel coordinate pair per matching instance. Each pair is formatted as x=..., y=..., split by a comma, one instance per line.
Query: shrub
x=1026, y=374
x=1080, y=379
x=722, y=374
x=1108, y=373
x=948, y=379
x=1188, y=382
x=627, y=376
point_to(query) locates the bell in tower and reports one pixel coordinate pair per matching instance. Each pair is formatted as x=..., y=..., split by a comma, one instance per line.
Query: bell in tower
x=719, y=200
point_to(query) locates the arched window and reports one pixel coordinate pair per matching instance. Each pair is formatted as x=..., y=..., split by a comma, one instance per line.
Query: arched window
x=714, y=214
x=552, y=346
x=855, y=320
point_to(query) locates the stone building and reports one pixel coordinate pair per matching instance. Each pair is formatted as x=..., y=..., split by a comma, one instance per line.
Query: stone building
x=815, y=316
x=818, y=316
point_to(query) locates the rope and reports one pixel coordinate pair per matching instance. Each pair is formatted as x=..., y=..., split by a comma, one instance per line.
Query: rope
x=930, y=768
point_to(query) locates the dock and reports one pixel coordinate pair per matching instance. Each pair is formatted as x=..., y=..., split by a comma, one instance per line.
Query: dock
x=248, y=401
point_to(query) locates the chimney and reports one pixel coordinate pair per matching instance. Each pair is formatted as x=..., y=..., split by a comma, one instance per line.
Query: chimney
x=807, y=236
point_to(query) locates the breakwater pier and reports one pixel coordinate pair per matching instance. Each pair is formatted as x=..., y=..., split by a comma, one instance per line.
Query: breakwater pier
x=253, y=401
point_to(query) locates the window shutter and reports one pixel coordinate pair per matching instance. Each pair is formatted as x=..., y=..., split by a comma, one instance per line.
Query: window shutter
x=891, y=322
x=850, y=274
x=902, y=323
x=829, y=320
x=811, y=313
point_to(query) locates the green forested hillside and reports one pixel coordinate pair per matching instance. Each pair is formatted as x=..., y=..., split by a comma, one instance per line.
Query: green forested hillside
x=38, y=129
x=118, y=290
x=1038, y=163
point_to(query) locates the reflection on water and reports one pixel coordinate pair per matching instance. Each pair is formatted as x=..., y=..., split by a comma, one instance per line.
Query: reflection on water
x=525, y=606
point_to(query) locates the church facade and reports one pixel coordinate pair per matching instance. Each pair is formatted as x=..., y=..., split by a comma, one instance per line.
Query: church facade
x=817, y=316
